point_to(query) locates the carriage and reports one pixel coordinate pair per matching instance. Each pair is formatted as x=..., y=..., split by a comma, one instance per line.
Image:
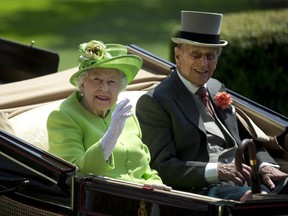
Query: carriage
x=35, y=182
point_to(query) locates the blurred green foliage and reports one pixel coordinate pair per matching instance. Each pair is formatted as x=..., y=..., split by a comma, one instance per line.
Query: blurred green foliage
x=253, y=64
x=61, y=25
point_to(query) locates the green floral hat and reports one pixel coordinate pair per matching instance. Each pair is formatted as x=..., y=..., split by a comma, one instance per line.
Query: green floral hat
x=96, y=54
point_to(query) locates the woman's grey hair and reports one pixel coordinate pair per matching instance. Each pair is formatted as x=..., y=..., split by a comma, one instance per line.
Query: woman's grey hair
x=81, y=78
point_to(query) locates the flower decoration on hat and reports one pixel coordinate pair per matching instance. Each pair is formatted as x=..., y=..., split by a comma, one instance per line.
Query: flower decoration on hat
x=223, y=100
x=91, y=53
x=95, y=54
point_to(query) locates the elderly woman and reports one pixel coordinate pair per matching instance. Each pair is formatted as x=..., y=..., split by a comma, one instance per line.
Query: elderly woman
x=90, y=129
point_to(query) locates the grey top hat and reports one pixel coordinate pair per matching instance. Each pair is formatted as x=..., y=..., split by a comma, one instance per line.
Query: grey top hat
x=200, y=29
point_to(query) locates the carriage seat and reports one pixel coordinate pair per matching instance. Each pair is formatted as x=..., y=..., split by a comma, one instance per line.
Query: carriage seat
x=30, y=125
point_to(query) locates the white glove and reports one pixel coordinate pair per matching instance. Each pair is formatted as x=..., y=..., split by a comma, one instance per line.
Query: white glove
x=119, y=116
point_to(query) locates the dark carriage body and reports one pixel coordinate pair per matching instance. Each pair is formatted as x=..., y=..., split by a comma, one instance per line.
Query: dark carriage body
x=19, y=61
x=34, y=181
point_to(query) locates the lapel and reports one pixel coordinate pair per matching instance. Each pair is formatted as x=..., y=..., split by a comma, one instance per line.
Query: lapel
x=227, y=116
x=186, y=102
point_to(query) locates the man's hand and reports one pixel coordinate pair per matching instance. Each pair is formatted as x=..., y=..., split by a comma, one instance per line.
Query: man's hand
x=228, y=172
x=270, y=175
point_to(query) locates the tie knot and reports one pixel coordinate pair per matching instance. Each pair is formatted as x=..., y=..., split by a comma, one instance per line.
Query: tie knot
x=202, y=92
x=204, y=97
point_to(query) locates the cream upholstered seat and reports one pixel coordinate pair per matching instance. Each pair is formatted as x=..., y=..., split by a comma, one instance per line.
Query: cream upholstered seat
x=25, y=105
x=31, y=125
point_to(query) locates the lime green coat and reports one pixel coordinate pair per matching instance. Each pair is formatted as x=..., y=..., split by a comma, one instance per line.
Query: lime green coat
x=75, y=135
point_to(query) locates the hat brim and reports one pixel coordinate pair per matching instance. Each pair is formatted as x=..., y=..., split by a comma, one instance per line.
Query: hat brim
x=129, y=65
x=185, y=41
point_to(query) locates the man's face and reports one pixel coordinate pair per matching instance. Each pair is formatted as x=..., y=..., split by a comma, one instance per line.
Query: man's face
x=196, y=64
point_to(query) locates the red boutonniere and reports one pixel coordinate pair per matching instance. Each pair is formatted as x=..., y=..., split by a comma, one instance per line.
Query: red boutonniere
x=223, y=100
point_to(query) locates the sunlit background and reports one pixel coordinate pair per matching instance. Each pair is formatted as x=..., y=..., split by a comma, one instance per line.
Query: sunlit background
x=61, y=25
x=259, y=72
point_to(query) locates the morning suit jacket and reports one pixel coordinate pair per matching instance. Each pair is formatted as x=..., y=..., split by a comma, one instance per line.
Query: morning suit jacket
x=173, y=129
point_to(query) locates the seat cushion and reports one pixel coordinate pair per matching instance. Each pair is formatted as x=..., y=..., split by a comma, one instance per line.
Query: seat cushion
x=31, y=125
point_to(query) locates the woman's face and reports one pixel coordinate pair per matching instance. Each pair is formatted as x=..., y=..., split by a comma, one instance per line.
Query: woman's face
x=100, y=90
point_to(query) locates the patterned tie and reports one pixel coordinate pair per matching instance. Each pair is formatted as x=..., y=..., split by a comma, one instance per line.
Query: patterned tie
x=204, y=97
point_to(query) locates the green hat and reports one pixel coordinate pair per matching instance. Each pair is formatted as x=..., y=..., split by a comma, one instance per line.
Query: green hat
x=96, y=54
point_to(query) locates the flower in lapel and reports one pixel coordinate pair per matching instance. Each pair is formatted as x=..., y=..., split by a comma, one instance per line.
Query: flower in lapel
x=223, y=100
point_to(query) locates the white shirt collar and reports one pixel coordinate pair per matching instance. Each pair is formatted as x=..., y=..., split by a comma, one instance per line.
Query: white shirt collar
x=190, y=86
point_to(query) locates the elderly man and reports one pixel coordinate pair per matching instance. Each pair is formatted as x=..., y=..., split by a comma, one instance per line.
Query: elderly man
x=189, y=124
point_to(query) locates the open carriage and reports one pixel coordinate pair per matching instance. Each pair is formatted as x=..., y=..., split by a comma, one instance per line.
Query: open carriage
x=35, y=182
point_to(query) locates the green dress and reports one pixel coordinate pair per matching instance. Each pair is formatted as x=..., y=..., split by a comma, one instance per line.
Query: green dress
x=75, y=134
